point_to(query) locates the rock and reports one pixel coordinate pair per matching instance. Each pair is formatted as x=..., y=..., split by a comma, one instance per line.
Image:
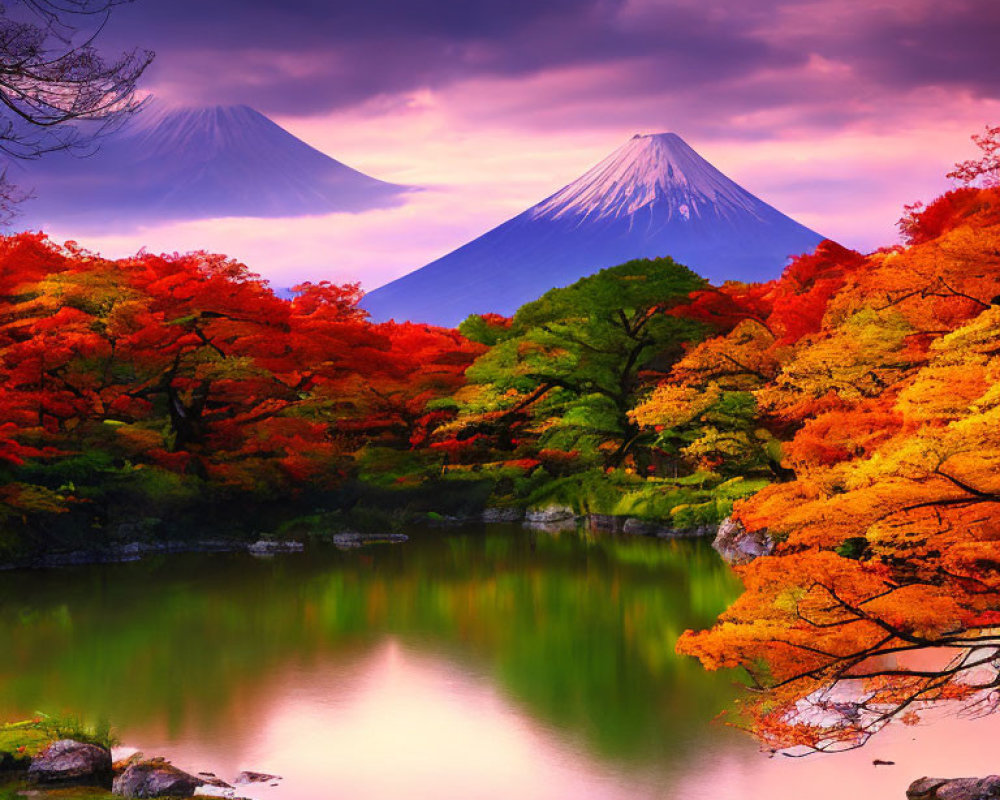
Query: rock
x=492, y=515
x=955, y=788
x=218, y=792
x=71, y=762
x=736, y=545
x=156, y=778
x=133, y=551
x=72, y=559
x=353, y=539
x=634, y=526
x=550, y=518
x=211, y=779
x=246, y=777
x=604, y=523
x=124, y=763
x=639, y=527
x=266, y=547
x=550, y=514
x=687, y=533
x=118, y=553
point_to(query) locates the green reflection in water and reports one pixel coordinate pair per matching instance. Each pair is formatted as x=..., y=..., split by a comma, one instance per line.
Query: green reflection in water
x=577, y=631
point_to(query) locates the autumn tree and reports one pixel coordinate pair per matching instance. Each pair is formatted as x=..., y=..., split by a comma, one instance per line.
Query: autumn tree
x=407, y=393
x=185, y=363
x=881, y=597
x=711, y=429
x=986, y=168
x=844, y=647
x=711, y=411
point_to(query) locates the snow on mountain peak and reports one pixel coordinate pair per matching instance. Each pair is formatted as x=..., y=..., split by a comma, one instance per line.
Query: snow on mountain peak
x=651, y=198
x=658, y=169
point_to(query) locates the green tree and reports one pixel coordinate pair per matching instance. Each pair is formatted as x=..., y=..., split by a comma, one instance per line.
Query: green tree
x=573, y=361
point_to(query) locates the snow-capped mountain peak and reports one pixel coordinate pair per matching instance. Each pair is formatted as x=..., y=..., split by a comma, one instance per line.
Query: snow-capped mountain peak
x=653, y=196
x=651, y=169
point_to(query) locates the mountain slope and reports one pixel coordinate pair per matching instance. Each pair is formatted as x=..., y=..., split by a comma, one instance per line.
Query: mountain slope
x=654, y=196
x=195, y=163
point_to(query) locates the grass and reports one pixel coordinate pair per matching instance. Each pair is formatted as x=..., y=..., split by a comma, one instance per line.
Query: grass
x=15, y=791
x=20, y=741
x=683, y=503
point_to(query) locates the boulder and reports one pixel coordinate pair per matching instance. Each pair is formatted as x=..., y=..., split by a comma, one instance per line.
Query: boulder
x=210, y=779
x=550, y=518
x=266, y=547
x=219, y=793
x=687, y=533
x=736, y=545
x=643, y=527
x=550, y=514
x=640, y=527
x=955, y=789
x=604, y=523
x=125, y=762
x=71, y=762
x=353, y=539
x=247, y=777
x=156, y=778
x=492, y=515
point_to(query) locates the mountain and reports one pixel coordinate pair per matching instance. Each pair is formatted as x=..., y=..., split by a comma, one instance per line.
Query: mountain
x=192, y=163
x=654, y=196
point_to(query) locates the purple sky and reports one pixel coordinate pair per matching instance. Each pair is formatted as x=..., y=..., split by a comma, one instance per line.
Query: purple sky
x=836, y=111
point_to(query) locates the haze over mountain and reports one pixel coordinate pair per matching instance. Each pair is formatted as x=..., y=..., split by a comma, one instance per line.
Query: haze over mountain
x=192, y=163
x=654, y=196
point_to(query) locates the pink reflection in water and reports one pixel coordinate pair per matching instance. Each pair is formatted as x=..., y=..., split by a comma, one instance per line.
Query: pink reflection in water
x=402, y=725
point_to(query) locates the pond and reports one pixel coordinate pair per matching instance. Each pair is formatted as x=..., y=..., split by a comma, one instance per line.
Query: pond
x=468, y=663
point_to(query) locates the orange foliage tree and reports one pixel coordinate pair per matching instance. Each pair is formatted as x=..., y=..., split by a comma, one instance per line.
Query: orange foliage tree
x=881, y=596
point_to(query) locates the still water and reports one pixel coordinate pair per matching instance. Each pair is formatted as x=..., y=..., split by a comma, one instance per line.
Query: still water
x=475, y=663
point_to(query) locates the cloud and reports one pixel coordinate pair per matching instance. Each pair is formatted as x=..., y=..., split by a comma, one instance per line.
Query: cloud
x=314, y=57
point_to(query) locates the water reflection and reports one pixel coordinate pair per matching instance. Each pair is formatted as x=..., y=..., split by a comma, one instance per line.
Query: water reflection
x=462, y=664
x=576, y=633
x=405, y=724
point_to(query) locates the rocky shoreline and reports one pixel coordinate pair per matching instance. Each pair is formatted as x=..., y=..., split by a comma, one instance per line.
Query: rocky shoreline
x=552, y=519
x=136, y=551
x=67, y=764
x=987, y=788
x=556, y=518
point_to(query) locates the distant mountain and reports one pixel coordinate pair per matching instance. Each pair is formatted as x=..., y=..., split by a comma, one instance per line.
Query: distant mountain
x=654, y=196
x=193, y=163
